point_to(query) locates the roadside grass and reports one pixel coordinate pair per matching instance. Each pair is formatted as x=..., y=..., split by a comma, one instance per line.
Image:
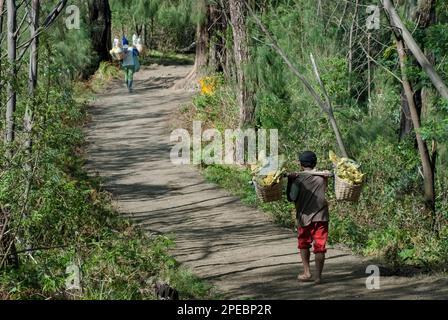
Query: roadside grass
x=237, y=181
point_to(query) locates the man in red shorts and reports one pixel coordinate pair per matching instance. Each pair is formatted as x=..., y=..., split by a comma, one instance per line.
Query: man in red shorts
x=307, y=190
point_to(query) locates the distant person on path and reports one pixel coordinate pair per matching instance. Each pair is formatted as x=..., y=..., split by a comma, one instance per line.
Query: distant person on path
x=307, y=190
x=130, y=63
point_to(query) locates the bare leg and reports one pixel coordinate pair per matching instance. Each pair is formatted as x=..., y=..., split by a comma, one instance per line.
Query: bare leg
x=306, y=275
x=320, y=260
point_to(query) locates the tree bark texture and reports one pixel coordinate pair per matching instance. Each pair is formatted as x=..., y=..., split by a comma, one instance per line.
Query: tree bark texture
x=12, y=53
x=429, y=69
x=241, y=53
x=422, y=147
x=100, y=23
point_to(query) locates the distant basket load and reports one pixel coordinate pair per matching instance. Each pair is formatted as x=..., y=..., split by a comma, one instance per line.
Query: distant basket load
x=141, y=48
x=117, y=53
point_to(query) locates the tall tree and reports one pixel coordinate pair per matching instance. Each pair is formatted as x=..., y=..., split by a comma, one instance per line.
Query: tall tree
x=404, y=39
x=201, y=61
x=7, y=245
x=423, y=14
x=417, y=52
x=202, y=37
x=34, y=25
x=220, y=55
x=2, y=12
x=12, y=74
x=241, y=53
x=100, y=24
x=428, y=172
x=34, y=13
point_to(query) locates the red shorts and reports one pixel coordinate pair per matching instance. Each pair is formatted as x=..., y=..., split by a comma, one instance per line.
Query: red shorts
x=317, y=231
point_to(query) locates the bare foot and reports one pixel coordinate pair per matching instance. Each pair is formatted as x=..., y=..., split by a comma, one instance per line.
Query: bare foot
x=304, y=277
x=318, y=281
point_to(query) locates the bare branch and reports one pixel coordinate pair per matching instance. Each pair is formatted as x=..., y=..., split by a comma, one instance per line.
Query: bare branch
x=379, y=64
x=403, y=32
x=325, y=106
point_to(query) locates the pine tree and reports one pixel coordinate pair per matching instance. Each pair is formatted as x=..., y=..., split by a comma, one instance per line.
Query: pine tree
x=241, y=53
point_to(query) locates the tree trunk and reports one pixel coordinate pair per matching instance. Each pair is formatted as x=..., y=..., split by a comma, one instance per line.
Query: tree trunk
x=325, y=106
x=32, y=84
x=426, y=13
x=218, y=25
x=34, y=25
x=202, y=50
x=241, y=53
x=202, y=42
x=7, y=245
x=422, y=147
x=406, y=126
x=429, y=69
x=151, y=42
x=100, y=23
x=2, y=5
x=350, y=46
x=424, y=16
x=12, y=74
x=213, y=26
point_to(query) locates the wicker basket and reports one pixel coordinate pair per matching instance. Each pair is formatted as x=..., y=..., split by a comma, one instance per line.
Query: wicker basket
x=117, y=54
x=141, y=49
x=269, y=193
x=345, y=191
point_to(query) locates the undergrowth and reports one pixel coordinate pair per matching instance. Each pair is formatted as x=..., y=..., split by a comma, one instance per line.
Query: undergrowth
x=68, y=224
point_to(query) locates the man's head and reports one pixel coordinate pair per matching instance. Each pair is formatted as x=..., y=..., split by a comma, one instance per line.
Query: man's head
x=308, y=159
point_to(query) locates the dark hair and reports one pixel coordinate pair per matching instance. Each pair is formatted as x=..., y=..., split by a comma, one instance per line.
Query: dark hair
x=308, y=159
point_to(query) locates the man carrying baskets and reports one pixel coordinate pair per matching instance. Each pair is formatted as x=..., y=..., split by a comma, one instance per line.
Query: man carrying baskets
x=128, y=57
x=130, y=63
x=307, y=190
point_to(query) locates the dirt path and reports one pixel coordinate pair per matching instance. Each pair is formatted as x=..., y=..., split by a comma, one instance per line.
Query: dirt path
x=221, y=240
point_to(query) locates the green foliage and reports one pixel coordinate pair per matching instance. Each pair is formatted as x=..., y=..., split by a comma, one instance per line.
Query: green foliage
x=209, y=108
x=436, y=127
x=170, y=24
